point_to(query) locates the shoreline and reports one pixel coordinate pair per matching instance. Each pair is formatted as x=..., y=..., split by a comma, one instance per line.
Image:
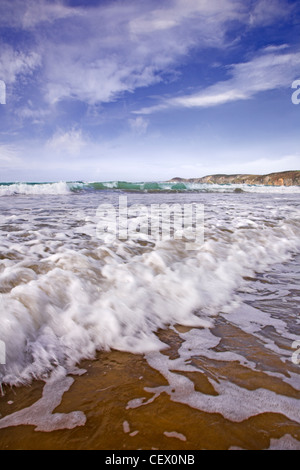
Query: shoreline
x=128, y=404
x=284, y=178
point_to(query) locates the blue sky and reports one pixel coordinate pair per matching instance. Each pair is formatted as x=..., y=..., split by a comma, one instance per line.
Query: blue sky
x=148, y=90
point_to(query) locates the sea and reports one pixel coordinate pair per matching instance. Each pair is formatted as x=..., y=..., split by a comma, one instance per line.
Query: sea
x=146, y=342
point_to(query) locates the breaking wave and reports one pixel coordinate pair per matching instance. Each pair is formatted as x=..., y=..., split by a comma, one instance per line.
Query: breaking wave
x=65, y=188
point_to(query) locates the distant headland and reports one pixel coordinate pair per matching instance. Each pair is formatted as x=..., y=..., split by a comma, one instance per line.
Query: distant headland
x=284, y=178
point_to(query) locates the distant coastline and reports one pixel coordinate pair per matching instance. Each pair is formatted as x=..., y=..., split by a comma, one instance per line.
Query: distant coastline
x=284, y=178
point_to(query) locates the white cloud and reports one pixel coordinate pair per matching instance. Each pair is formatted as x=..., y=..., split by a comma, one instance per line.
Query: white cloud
x=265, y=12
x=263, y=73
x=92, y=81
x=100, y=52
x=39, y=11
x=95, y=54
x=32, y=13
x=139, y=125
x=14, y=63
x=37, y=116
x=207, y=13
x=130, y=46
x=70, y=143
x=273, y=49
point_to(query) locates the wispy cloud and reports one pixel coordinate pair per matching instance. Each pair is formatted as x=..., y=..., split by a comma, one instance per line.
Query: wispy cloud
x=128, y=48
x=36, y=115
x=70, y=143
x=139, y=125
x=33, y=13
x=204, y=13
x=14, y=63
x=265, y=12
x=263, y=73
x=98, y=53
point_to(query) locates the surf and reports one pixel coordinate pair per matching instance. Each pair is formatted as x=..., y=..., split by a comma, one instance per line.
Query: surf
x=67, y=188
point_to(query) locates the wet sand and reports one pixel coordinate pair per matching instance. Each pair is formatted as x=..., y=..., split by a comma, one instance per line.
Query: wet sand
x=115, y=378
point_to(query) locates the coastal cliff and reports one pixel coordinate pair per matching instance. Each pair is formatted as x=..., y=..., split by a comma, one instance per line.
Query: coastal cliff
x=285, y=178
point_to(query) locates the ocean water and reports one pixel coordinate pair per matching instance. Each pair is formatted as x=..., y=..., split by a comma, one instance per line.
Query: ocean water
x=220, y=323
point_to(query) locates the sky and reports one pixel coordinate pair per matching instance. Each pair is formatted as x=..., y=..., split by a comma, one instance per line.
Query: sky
x=148, y=90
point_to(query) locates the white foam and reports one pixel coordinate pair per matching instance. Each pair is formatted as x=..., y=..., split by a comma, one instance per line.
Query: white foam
x=34, y=189
x=286, y=442
x=41, y=415
x=175, y=435
x=65, y=297
x=233, y=402
x=229, y=188
x=126, y=427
